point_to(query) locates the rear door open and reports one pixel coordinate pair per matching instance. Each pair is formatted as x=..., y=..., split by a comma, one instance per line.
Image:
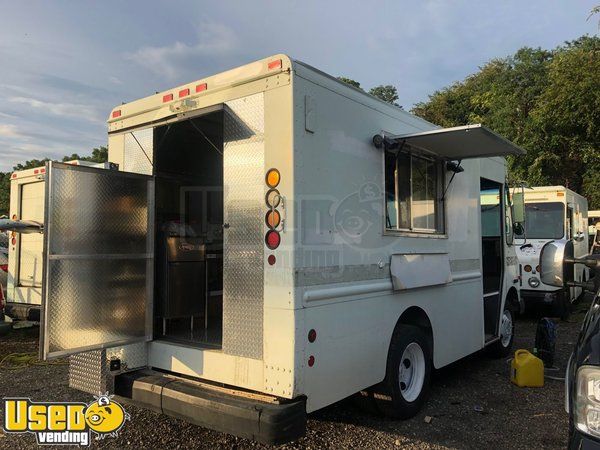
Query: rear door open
x=98, y=259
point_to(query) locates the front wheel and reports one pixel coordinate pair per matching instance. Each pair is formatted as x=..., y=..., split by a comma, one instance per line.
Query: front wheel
x=503, y=345
x=404, y=390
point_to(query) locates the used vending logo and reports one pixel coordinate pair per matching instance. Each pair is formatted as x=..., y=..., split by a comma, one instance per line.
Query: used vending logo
x=64, y=423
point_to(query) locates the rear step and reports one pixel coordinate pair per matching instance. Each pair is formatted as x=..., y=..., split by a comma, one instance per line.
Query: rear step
x=243, y=414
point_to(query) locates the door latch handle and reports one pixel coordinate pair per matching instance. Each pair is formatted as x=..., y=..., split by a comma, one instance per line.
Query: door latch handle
x=225, y=226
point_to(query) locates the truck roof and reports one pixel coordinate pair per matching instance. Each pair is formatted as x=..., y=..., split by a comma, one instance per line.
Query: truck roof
x=143, y=108
x=550, y=189
x=35, y=171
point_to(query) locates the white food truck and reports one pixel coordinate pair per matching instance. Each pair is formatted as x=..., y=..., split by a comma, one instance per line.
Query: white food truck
x=551, y=213
x=25, y=266
x=275, y=241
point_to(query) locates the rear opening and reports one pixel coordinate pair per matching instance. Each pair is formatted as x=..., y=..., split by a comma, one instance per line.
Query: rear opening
x=188, y=168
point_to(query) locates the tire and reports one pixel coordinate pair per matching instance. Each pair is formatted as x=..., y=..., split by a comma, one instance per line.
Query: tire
x=503, y=346
x=404, y=390
x=562, y=306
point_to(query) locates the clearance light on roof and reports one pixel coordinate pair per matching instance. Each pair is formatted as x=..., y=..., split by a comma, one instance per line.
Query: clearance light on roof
x=275, y=64
x=14, y=175
x=167, y=98
x=201, y=87
x=184, y=92
x=560, y=194
x=116, y=114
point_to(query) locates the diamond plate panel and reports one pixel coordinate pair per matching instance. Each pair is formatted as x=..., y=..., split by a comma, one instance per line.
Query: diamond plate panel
x=97, y=212
x=139, y=151
x=90, y=371
x=93, y=302
x=244, y=189
x=98, y=271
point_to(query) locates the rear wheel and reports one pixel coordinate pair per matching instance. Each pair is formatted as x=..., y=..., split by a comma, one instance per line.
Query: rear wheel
x=503, y=345
x=406, y=385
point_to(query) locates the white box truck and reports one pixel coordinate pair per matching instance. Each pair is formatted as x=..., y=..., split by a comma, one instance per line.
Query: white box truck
x=275, y=241
x=25, y=260
x=551, y=213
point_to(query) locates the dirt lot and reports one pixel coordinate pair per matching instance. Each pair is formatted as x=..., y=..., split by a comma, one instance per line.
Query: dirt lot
x=472, y=405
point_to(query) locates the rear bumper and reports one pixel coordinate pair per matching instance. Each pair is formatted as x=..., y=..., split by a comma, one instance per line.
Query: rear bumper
x=240, y=414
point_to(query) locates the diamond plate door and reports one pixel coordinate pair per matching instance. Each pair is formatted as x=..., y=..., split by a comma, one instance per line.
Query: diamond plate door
x=98, y=259
x=243, y=240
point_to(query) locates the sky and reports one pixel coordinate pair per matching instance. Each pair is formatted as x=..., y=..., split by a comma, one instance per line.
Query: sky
x=65, y=64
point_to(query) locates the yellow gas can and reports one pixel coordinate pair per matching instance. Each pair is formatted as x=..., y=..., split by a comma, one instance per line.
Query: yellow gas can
x=527, y=370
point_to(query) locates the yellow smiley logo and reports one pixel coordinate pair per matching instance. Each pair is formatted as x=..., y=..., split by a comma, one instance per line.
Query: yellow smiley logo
x=105, y=416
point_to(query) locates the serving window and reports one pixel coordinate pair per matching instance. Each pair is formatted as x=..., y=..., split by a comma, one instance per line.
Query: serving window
x=413, y=190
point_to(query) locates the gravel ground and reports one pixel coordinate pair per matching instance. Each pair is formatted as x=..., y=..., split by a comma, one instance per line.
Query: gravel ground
x=472, y=405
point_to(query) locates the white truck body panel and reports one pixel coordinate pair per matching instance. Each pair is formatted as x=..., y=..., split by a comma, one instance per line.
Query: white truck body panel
x=317, y=133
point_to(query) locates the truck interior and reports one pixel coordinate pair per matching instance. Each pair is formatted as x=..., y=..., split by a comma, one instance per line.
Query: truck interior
x=491, y=253
x=188, y=171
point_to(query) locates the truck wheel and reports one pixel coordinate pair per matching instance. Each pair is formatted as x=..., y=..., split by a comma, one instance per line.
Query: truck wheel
x=406, y=385
x=562, y=304
x=503, y=346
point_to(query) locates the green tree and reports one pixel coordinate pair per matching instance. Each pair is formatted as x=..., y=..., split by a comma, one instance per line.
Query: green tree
x=350, y=81
x=546, y=101
x=387, y=93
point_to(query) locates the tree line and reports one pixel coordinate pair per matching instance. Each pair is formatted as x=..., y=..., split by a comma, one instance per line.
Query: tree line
x=546, y=101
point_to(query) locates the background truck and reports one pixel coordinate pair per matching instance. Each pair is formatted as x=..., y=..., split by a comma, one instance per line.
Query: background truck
x=552, y=213
x=25, y=261
x=274, y=241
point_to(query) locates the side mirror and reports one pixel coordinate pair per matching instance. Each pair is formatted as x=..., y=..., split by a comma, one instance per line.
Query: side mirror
x=518, y=204
x=555, y=258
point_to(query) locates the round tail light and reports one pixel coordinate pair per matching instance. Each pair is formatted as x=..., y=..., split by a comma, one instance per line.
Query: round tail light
x=272, y=239
x=272, y=178
x=273, y=219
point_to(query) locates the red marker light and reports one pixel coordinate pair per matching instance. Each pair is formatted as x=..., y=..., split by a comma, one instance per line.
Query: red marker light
x=272, y=239
x=271, y=260
x=275, y=64
x=311, y=361
x=13, y=241
x=201, y=87
x=116, y=114
x=312, y=336
x=167, y=98
x=184, y=92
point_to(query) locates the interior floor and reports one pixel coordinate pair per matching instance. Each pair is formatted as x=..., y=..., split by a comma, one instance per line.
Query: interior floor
x=188, y=173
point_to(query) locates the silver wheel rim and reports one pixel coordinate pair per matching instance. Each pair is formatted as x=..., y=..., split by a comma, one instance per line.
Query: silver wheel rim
x=411, y=373
x=506, y=329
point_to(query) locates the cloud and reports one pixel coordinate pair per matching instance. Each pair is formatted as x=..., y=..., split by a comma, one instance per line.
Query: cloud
x=213, y=40
x=9, y=131
x=79, y=111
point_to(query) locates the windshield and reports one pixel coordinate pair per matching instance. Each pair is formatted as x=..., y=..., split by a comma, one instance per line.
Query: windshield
x=544, y=220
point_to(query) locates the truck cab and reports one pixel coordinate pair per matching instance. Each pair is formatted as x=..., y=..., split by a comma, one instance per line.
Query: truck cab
x=551, y=213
